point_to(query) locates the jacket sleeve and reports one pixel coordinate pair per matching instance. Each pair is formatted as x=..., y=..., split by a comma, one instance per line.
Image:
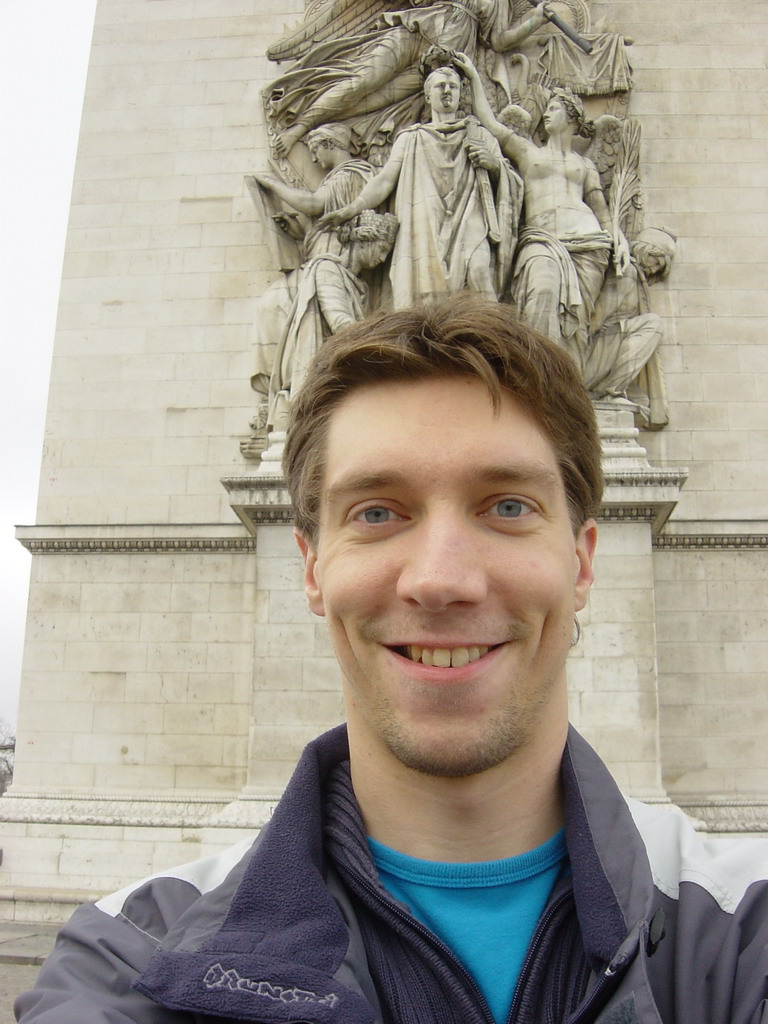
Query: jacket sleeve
x=87, y=977
x=104, y=947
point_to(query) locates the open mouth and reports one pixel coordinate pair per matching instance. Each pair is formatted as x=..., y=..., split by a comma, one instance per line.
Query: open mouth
x=442, y=657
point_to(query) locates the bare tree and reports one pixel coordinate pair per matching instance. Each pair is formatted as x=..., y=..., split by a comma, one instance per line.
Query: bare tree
x=7, y=749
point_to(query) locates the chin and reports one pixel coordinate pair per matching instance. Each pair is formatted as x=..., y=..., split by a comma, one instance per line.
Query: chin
x=452, y=757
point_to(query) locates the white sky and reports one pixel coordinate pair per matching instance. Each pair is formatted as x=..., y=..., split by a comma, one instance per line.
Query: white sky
x=44, y=47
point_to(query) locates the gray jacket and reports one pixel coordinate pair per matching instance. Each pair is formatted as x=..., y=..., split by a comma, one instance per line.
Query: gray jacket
x=654, y=924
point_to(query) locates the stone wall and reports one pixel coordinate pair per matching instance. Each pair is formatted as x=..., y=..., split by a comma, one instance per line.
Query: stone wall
x=713, y=647
x=171, y=669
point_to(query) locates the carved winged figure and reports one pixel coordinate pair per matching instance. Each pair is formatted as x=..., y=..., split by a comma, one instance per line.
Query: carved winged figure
x=370, y=77
x=578, y=211
x=565, y=248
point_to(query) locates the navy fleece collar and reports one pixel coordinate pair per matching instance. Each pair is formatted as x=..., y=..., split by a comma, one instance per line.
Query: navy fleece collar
x=275, y=956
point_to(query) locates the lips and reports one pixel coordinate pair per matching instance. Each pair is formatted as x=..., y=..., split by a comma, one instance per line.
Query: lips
x=443, y=657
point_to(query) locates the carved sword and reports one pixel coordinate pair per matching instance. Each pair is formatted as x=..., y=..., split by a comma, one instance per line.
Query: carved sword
x=564, y=27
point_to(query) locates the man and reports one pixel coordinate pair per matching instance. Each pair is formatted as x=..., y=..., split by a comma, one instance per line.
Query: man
x=454, y=855
x=456, y=199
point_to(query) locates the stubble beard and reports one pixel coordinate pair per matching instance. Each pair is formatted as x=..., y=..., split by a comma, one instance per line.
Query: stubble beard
x=457, y=757
x=457, y=753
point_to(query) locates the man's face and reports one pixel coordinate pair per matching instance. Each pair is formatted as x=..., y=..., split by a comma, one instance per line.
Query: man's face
x=443, y=91
x=448, y=570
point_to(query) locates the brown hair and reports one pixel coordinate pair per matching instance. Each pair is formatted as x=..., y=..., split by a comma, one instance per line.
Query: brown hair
x=464, y=336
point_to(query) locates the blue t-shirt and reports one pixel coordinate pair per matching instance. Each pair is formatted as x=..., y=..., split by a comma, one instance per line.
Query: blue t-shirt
x=485, y=912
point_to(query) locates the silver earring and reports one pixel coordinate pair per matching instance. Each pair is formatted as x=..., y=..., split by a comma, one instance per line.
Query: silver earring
x=576, y=632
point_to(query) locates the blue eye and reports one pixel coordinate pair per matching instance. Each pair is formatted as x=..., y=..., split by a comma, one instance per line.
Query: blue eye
x=375, y=515
x=510, y=508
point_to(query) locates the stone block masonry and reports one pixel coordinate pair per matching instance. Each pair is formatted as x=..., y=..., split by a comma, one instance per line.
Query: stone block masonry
x=172, y=672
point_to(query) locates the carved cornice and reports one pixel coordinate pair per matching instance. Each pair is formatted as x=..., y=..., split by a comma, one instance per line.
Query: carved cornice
x=711, y=816
x=647, y=477
x=711, y=542
x=725, y=815
x=628, y=513
x=118, y=545
x=259, y=500
x=632, y=495
x=153, y=812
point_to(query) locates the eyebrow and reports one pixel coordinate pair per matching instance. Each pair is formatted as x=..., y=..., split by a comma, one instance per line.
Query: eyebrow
x=520, y=473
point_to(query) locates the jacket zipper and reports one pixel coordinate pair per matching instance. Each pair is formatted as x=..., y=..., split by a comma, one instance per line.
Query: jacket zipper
x=530, y=956
x=435, y=942
x=544, y=922
x=609, y=979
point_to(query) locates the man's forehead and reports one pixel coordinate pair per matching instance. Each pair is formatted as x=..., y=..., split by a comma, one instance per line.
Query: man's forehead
x=370, y=422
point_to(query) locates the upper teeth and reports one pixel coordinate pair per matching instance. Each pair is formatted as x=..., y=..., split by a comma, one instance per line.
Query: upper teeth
x=445, y=657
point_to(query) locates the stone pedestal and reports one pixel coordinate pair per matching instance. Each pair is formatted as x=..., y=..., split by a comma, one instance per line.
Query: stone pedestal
x=613, y=672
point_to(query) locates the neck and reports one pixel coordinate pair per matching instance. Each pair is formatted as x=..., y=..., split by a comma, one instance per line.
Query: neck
x=504, y=811
x=561, y=143
x=339, y=157
x=444, y=116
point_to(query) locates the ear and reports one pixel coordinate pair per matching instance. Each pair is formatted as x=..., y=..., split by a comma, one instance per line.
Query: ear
x=586, y=542
x=312, y=587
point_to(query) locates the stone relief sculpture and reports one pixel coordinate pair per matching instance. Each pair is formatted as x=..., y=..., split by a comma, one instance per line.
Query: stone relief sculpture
x=326, y=291
x=569, y=234
x=456, y=199
x=465, y=144
x=376, y=72
x=623, y=363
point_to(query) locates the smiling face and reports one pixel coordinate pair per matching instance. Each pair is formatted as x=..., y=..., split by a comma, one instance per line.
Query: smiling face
x=449, y=573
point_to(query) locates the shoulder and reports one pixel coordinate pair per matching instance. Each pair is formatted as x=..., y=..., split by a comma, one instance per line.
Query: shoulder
x=591, y=173
x=178, y=887
x=407, y=133
x=728, y=870
x=351, y=168
x=104, y=947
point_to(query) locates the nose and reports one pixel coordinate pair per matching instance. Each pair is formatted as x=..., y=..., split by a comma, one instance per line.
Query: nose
x=443, y=565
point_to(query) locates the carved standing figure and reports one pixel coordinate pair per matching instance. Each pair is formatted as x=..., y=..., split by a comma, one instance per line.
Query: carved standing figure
x=456, y=199
x=326, y=292
x=566, y=245
x=359, y=74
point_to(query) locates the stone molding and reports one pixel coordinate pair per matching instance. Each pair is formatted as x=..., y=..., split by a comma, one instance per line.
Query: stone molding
x=650, y=477
x=726, y=815
x=252, y=498
x=150, y=538
x=67, y=546
x=711, y=542
x=259, y=499
x=636, y=495
x=162, y=811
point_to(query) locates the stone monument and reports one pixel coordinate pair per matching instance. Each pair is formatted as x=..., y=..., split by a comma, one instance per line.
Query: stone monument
x=228, y=214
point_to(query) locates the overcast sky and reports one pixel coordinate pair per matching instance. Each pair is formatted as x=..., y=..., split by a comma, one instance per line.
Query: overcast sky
x=44, y=47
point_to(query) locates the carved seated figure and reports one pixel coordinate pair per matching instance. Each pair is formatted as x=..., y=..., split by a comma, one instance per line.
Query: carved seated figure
x=623, y=362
